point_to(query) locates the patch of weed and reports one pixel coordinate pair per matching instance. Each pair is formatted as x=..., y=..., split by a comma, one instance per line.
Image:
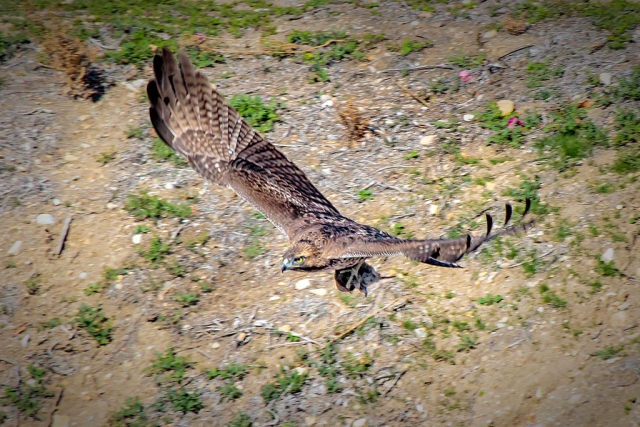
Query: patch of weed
x=256, y=248
x=155, y=252
x=462, y=60
x=408, y=46
x=50, y=324
x=113, y=273
x=187, y=299
x=596, y=286
x=33, y=285
x=364, y=195
x=260, y=116
x=26, y=397
x=131, y=414
x=573, y=137
x=285, y=382
x=169, y=363
x=609, y=352
x=606, y=268
x=537, y=72
x=229, y=391
x=489, y=299
x=92, y=288
x=95, y=323
x=143, y=206
x=106, y=157
x=161, y=152
x=356, y=366
x=232, y=370
x=528, y=188
x=240, y=420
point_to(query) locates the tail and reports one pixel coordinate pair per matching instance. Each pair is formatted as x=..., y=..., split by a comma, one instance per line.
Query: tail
x=446, y=252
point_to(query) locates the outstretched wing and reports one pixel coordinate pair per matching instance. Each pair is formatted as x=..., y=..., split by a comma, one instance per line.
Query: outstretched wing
x=191, y=117
x=439, y=252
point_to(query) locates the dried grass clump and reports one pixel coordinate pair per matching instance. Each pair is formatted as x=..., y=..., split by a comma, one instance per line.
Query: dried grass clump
x=514, y=25
x=353, y=120
x=69, y=55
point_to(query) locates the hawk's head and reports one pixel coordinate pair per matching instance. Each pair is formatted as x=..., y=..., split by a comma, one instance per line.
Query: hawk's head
x=303, y=255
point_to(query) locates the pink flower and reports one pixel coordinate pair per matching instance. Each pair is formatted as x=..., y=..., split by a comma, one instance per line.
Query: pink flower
x=465, y=76
x=200, y=37
x=513, y=122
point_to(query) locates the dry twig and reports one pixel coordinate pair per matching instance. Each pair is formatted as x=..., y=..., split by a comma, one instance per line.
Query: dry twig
x=362, y=322
x=63, y=235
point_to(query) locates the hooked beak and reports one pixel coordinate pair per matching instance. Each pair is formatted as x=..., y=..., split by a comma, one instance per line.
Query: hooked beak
x=286, y=265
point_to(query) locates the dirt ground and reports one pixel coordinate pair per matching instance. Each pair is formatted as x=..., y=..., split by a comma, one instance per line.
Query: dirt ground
x=532, y=362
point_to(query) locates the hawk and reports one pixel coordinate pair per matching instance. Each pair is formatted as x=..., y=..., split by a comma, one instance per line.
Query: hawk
x=191, y=117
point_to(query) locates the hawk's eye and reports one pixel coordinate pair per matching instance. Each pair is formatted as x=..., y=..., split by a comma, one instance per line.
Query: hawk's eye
x=298, y=260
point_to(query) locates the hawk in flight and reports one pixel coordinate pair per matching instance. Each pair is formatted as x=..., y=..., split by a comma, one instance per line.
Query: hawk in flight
x=192, y=118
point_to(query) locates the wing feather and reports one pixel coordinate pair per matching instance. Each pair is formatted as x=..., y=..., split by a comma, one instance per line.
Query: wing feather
x=191, y=117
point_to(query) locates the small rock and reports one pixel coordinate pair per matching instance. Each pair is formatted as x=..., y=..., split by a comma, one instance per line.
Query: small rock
x=619, y=207
x=56, y=202
x=421, y=333
x=468, y=117
x=538, y=393
x=320, y=292
x=274, y=298
x=619, y=320
x=490, y=185
x=83, y=275
x=70, y=158
x=328, y=103
x=506, y=106
x=15, y=248
x=302, y=284
x=135, y=85
x=136, y=239
x=605, y=78
x=575, y=398
x=540, y=310
x=490, y=34
x=427, y=140
x=25, y=340
x=285, y=328
x=215, y=345
x=169, y=186
x=607, y=255
x=60, y=421
x=45, y=219
x=301, y=370
x=241, y=336
x=309, y=421
x=624, y=306
x=434, y=209
x=500, y=325
x=111, y=205
x=360, y=423
x=325, y=98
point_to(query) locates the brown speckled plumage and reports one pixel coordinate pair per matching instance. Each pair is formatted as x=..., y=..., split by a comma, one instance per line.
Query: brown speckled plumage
x=191, y=117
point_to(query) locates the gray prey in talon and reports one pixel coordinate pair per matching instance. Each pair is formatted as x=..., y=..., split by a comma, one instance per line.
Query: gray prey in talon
x=191, y=117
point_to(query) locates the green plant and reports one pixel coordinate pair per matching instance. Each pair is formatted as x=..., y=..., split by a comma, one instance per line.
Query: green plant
x=605, y=268
x=449, y=294
x=462, y=60
x=143, y=206
x=156, y=251
x=258, y=115
x=141, y=229
x=92, y=288
x=609, y=352
x=113, y=273
x=183, y=400
x=537, y=72
x=285, y=382
x=355, y=366
x=50, y=324
x=130, y=415
x=347, y=299
x=408, y=46
x=528, y=189
x=26, y=397
x=232, y=370
x=572, y=138
x=364, y=195
x=410, y=155
x=489, y=299
x=550, y=297
x=95, y=323
x=229, y=391
x=106, y=157
x=187, y=299
x=240, y=420
x=256, y=248
x=161, y=152
x=595, y=286
x=171, y=364
x=32, y=285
